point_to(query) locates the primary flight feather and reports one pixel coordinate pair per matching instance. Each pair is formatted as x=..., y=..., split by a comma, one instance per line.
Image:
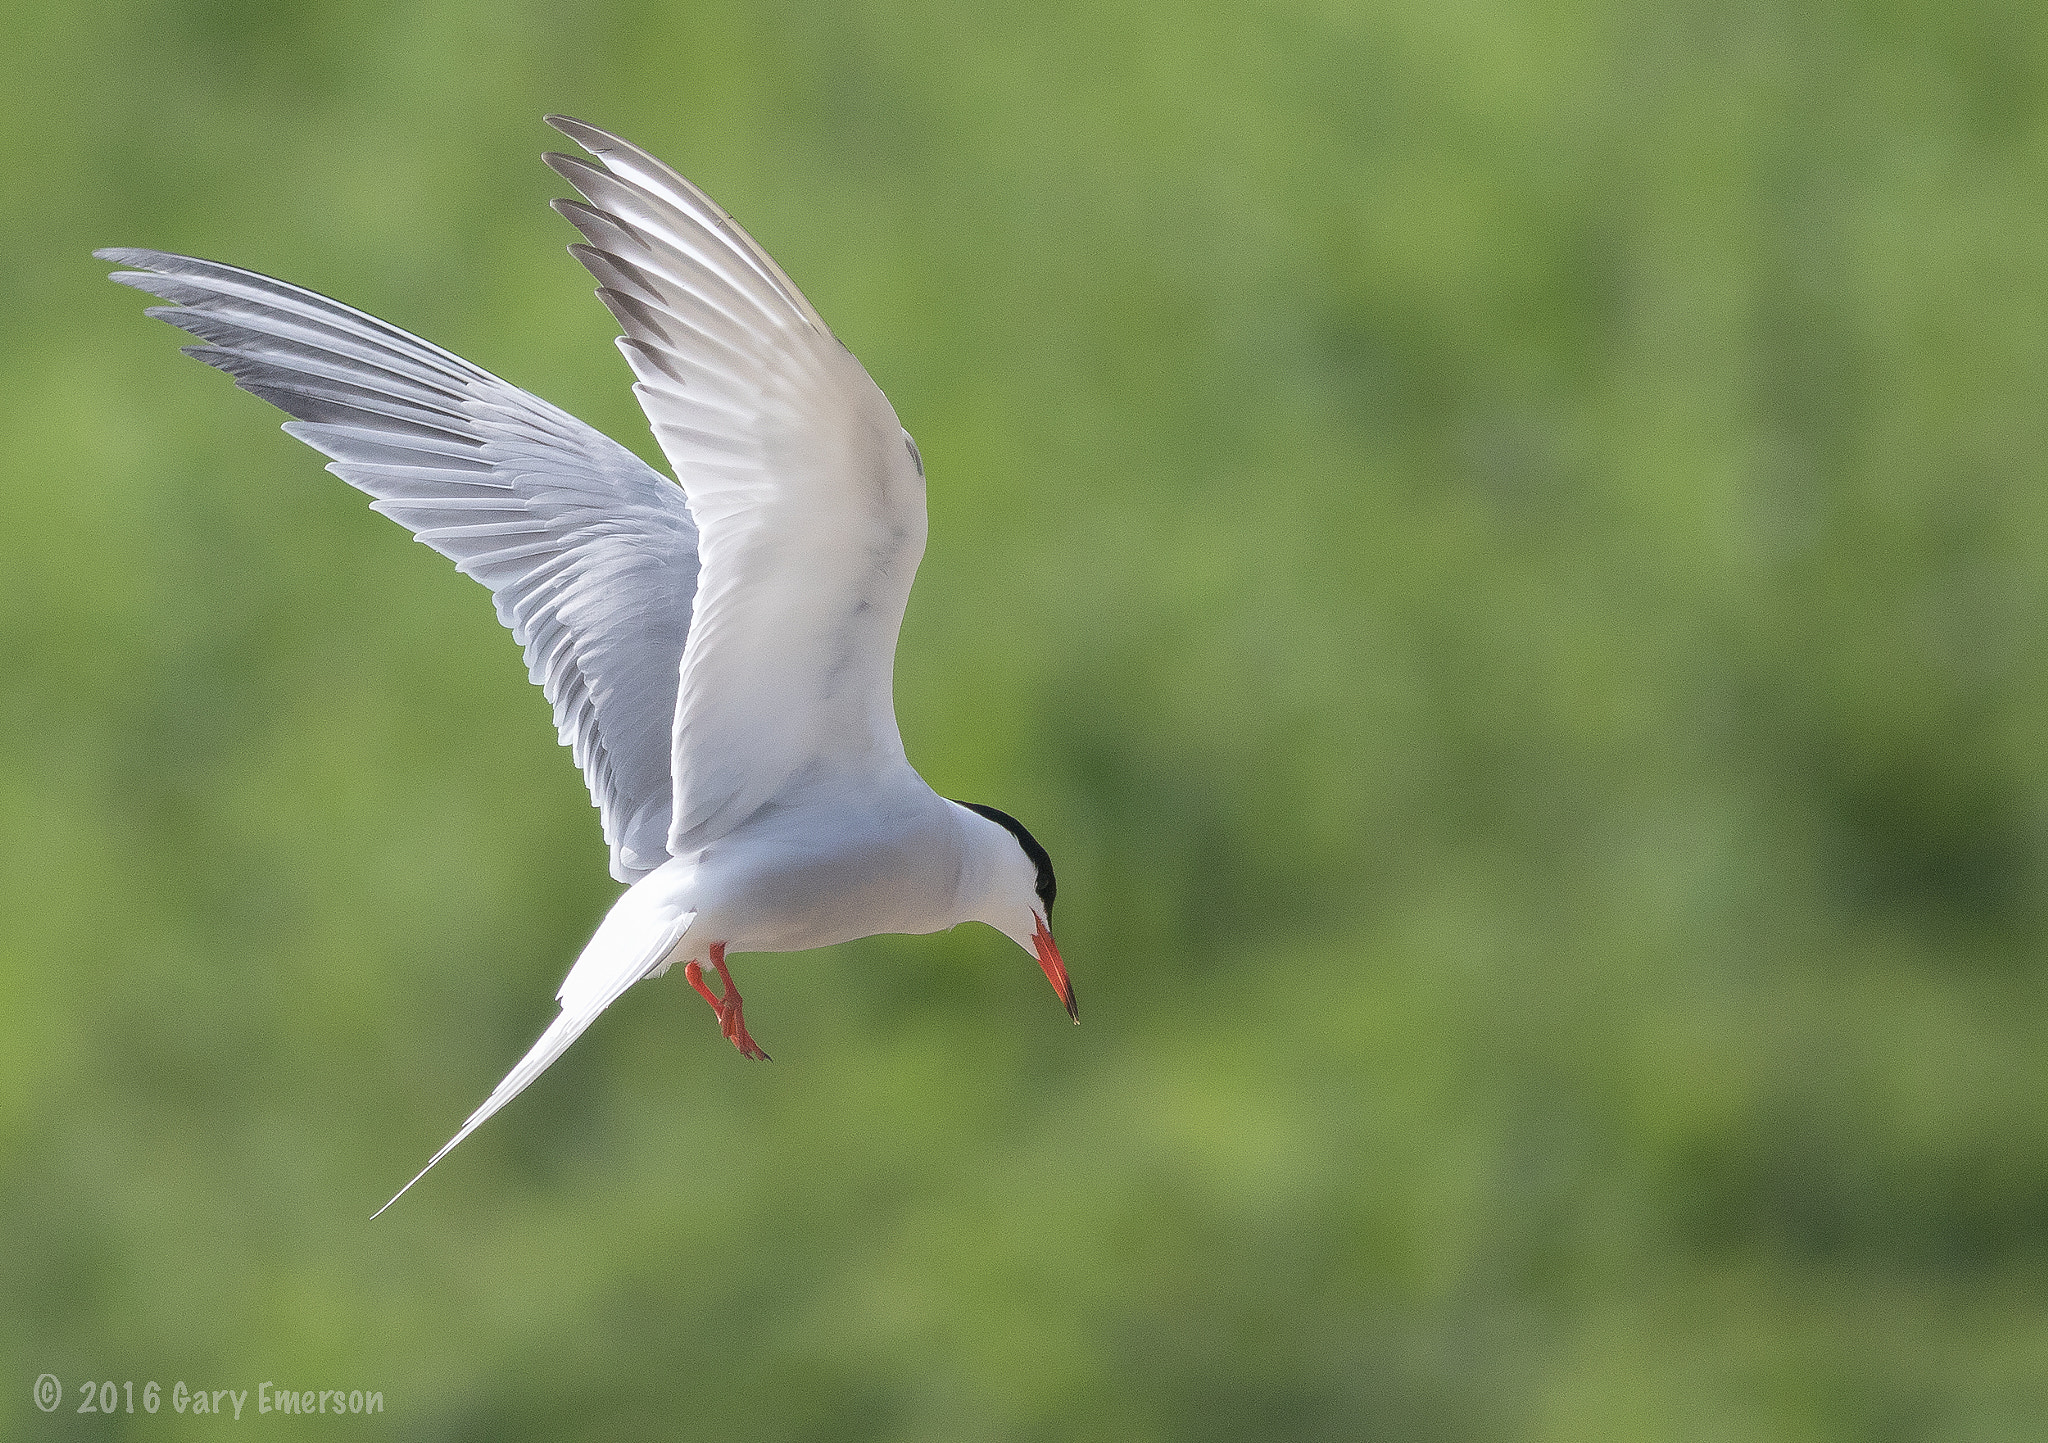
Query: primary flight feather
x=719, y=654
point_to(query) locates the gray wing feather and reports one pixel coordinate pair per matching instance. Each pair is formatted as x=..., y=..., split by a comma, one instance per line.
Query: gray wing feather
x=812, y=516
x=590, y=554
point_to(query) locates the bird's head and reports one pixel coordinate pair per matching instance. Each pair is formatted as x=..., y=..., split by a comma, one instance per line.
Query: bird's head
x=1019, y=893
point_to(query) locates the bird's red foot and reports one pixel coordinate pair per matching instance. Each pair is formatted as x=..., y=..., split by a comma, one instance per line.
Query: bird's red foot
x=730, y=1021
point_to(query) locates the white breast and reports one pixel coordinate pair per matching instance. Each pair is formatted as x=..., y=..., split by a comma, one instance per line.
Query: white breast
x=826, y=867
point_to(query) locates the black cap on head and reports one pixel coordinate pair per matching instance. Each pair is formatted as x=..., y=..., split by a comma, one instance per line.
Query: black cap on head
x=1047, y=887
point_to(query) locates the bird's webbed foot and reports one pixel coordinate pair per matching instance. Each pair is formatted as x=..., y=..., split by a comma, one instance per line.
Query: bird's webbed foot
x=730, y=1020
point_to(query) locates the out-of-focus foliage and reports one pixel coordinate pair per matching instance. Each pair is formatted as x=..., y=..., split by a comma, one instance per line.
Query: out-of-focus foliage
x=1503, y=546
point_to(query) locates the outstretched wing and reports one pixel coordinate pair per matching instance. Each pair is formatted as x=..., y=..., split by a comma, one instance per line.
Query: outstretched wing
x=590, y=553
x=806, y=490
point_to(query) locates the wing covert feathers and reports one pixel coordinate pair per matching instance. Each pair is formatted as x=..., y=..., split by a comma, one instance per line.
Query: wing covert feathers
x=810, y=511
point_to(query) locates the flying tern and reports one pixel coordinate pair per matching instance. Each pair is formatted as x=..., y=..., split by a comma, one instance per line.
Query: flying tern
x=719, y=653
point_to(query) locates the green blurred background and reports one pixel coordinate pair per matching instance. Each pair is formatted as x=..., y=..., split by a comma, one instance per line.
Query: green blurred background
x=1503, y=546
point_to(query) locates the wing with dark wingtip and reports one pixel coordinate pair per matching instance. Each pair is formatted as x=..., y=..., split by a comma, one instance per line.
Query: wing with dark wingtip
x=805, y=487
x=590, y=554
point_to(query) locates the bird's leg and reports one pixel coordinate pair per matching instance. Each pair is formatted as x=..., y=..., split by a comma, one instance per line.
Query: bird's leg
x=728, y=1006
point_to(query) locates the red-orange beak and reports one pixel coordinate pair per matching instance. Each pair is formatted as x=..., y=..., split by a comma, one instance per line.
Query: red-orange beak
x=1055, y=970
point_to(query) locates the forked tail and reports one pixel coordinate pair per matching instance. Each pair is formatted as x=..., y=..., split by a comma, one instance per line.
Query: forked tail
x=617, y=957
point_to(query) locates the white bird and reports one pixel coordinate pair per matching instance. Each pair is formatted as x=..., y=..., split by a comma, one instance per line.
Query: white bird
x=719, y=655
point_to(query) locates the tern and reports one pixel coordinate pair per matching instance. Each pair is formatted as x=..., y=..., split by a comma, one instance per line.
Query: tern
x=719, y=653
